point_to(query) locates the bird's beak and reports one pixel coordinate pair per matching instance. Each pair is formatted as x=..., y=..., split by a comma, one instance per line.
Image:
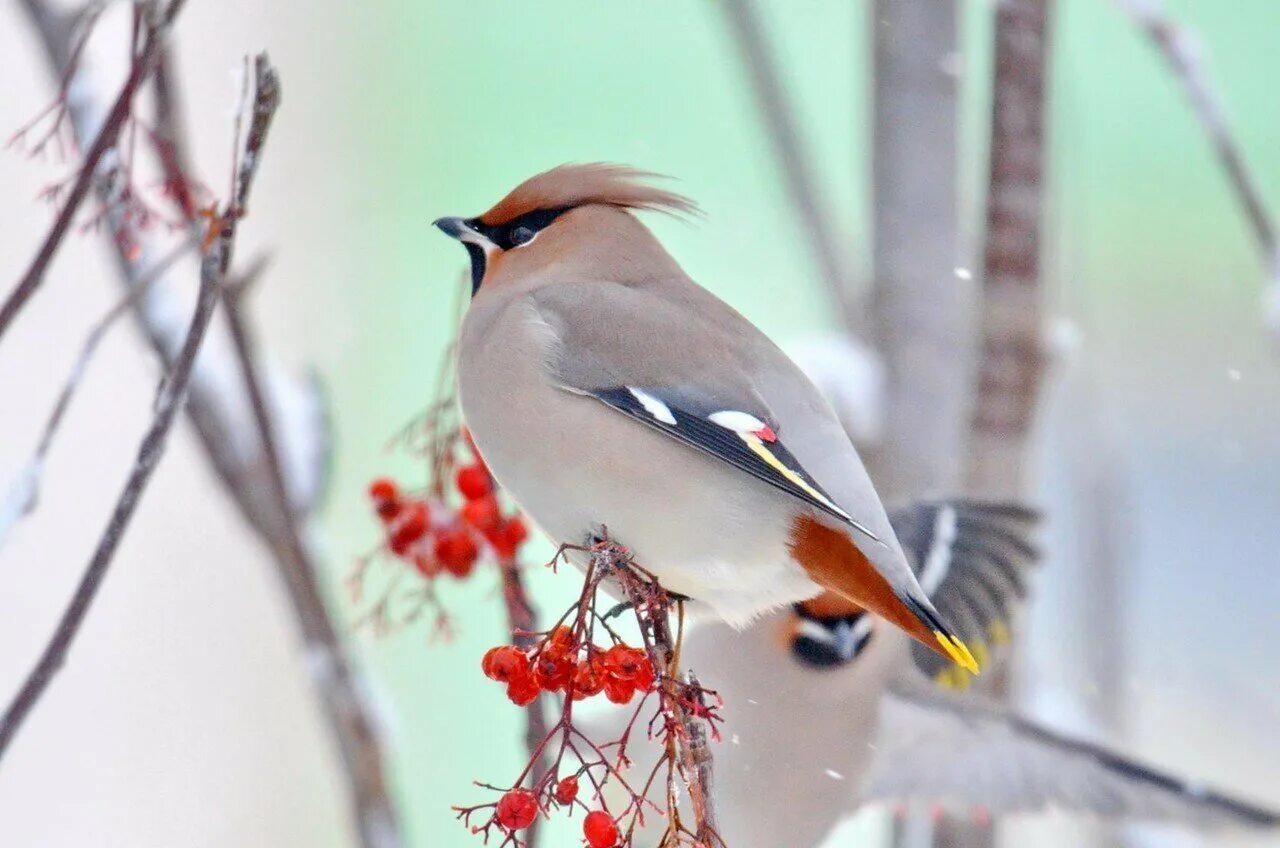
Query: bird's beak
x=452, y=227
x=478, y=245
x=463, y=230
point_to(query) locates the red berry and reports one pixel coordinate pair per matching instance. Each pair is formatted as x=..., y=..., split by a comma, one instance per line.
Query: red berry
x=619, y=691
x=643, y=678
x=561, y=639
x=473, y=481
x=384, y=489
x=600, y=829
x=515, y=530
x=409, y=526
x=504, y=663
x=553, y=671
x=523, y=690
x=456, y=551
x=385, y=495
x=517, y=809
x=506, y=537
x=481, y=513
x=587, y=681
x=630, y=665
x=567, y=790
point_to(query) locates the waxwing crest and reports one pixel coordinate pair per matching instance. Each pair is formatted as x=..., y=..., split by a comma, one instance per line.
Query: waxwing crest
x=566, y=186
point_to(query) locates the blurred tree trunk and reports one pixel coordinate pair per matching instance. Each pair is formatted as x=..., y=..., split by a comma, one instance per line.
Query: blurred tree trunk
x=922, y=312
x=924, y=309
x=1012, y=356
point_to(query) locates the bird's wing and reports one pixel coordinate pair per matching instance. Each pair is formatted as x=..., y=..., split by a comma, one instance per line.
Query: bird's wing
x=677, y=360
x=957, y=751
x=971, y=558
x=684, y=369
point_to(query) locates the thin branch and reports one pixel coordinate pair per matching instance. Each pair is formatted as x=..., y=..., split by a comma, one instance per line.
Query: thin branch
x=780, y=122
x=374, y=812
x=222, y=413
x=172, y=394
x=105, y=140
x=694, y=753
x=699, y=761
x=1184, y=55
x=23, y=494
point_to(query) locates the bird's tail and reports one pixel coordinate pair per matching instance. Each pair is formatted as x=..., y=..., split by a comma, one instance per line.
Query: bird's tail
x=959, y=751
x=833, y=561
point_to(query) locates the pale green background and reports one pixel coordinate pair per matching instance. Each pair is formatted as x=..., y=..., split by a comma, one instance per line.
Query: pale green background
x=184, y=715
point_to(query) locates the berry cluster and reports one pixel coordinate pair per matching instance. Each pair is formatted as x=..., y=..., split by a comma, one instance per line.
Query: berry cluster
x=407, y=524
x=423, y=530
x=567, y=663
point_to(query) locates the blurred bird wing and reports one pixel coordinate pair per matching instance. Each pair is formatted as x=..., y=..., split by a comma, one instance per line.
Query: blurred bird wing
x=954, y=750
x=681, y=362
x=972, y=559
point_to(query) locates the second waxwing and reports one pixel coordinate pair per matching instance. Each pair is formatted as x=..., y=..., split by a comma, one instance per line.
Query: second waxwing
x=607, y=389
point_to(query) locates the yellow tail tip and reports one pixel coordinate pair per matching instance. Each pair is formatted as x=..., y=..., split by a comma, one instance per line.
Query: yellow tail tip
x=958, y=651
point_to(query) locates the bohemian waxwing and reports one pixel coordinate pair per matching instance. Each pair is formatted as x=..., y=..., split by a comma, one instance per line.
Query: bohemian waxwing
x=607, y=389
x=846, y=719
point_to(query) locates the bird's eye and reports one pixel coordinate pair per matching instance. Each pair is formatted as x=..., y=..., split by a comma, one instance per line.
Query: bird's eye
x=521, y=235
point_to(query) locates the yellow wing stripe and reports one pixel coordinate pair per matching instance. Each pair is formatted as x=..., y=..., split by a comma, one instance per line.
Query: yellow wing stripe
x=757, y=447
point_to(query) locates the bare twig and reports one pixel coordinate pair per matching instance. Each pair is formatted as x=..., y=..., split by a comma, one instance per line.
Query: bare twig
x=220, y=408
x=23, y=494
x=699, y=761
x=374, y=812
x=1012, y=354
x=172, y=394
x=694, y=753
x=793, y=159
x=1184, y=55
x=169, y=137
x=105, y=140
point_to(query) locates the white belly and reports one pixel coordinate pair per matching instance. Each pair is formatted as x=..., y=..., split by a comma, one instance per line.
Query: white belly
x=574, y=465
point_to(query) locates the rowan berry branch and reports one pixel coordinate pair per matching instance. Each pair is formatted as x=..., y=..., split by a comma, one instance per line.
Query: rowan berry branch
x=568, y=660
x=157, y=26
x=440, y=544
x=1183, y=54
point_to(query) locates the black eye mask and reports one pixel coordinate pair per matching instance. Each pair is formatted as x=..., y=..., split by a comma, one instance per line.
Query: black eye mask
x=514, y=233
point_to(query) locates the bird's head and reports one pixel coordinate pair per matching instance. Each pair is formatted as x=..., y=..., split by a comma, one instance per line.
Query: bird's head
x=573, y=212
